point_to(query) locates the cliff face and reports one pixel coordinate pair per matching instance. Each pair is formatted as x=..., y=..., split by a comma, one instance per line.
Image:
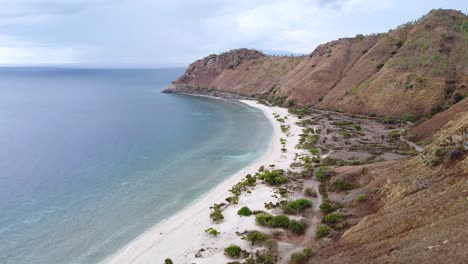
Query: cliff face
x=415, y=68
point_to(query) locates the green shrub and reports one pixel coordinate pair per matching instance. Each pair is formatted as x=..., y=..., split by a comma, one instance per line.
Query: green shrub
x=296, y=227
x=217, y=215
x=323, y=173
x=244, y=211
x=388, y=120
x=298, y=258
x=357, y=127
x=168, y=261
x=274, y=177
x=333, y=218
x=408, y=118
x=212, y=232
x=314, y=151
x=343, y=185
x=310, y=192
x=297, y=206
x=256, y=236
x=279, y=221
x=272, y=221
x=308, y=251
x=322, y=231
x=327, y=207
x=361, y=197
x=233, y=251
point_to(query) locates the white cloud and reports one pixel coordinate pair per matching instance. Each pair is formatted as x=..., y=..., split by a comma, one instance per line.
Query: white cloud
x=15, y=52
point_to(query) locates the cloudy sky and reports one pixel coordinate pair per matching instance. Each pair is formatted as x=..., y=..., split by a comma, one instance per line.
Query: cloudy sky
x=156, y=33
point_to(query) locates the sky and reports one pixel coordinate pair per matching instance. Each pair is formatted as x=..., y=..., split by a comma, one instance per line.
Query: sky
x=155, y=33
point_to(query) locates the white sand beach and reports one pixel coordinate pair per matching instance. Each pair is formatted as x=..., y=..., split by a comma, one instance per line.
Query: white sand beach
x=182, y=236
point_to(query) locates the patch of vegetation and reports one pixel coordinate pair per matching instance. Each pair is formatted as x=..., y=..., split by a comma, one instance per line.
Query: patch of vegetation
x=168, y=261
x=323, y=231
x=327, y=207
x=244, y=211
x=233, y=251
x=379, y=66
x=388, y=120
x=310, y=192
x=217, y=215
x=256, y=237
x=357, y=126
x=408, y=117
x=314, y=151
x=301, y=257
x=271, y=244
x=361, y=197
x=291, y=102
x=274, y=177
x=343, y=185
x=294, y=207
x=300, y=112
x=212, y=232
x=323, y=173
x=271, y=220
x=457, y=98
x=296, y=227
x=284, y=128
x=332, y=219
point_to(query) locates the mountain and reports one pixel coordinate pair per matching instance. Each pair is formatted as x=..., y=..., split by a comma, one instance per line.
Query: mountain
x=419, y=68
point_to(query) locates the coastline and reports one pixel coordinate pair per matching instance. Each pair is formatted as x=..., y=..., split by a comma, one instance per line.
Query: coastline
x=182, y=235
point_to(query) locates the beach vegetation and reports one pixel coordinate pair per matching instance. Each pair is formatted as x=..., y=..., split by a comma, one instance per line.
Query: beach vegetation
x=323, y=231
x=256, y=236
x=266, y=219
x=233, y=251
x=274, y=177
x=262, y=168
x=168, y=261
x=314, y=151
x=296, y=227
x=244, y=211
x=294, y=207
x=212, y=232
x=217, y=215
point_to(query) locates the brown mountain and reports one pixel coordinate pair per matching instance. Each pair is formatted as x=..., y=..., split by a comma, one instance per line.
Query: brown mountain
x=418, y=68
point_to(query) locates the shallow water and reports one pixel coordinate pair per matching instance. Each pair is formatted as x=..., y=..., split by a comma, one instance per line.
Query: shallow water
x=90, y=159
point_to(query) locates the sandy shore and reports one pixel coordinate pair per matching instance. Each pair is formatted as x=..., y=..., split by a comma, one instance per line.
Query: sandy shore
x=182, y=236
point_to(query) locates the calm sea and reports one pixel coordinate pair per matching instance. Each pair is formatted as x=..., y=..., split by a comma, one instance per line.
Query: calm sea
x=90, y=159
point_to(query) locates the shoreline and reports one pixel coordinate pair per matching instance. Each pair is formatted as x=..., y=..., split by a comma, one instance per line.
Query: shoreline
x=188, y=225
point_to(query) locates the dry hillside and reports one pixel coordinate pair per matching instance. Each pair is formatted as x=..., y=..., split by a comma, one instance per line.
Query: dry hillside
x=419, y=68
x=416, y=211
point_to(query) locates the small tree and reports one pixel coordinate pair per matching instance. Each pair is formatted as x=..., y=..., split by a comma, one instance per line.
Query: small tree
x=256, y=236
x=310, y=192
x=216, y=216
x=244, y=211
x=233, y=251
x=326, y=207
x=297, y=206
x=333, y=218
x=168, y=261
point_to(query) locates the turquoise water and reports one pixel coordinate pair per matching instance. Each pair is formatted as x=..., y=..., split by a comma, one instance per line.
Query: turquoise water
x=90, y=159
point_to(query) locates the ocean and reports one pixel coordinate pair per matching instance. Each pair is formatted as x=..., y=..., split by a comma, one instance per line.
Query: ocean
x=91, y=158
